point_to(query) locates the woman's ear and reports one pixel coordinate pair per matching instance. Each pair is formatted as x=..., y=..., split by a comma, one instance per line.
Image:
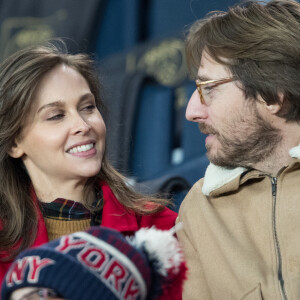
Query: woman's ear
x=15, y=151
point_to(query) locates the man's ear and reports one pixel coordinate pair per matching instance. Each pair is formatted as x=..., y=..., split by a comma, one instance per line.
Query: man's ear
x=16, y=151
x=275, y=107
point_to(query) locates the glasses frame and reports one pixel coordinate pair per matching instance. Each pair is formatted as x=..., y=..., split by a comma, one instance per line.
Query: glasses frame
x=200, y=84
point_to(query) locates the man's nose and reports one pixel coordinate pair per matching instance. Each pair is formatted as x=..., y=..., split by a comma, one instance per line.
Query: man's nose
x=195, y=111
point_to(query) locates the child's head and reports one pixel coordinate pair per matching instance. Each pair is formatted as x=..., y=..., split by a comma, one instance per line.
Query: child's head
x=99, y=264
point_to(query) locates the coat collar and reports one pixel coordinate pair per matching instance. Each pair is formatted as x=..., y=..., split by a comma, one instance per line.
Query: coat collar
x=216, y=176
x=114, y=215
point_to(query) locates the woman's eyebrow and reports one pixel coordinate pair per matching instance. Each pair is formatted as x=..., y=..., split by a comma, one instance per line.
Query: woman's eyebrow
x=51, y=104
x=86, y=96
x=61, y=103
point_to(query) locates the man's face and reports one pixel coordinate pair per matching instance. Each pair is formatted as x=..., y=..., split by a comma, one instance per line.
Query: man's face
x=238, y=135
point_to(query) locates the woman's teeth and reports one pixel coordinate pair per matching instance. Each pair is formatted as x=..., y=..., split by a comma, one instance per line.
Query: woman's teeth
x=81, y=148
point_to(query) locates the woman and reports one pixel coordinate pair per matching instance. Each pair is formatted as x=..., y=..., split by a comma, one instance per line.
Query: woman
x=54, y=175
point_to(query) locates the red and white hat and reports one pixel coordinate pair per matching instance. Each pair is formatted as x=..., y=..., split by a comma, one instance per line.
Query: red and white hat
x=101, y=263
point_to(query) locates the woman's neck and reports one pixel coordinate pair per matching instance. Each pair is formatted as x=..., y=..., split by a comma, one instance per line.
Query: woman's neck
x=67, y=190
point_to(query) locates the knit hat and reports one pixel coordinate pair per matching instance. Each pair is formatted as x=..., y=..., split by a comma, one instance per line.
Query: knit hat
x=101, y=263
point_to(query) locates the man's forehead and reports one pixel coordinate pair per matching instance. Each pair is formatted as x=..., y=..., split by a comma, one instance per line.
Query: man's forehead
x=211, y=69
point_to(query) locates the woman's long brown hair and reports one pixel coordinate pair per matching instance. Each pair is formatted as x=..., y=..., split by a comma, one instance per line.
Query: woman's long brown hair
x=19, y=76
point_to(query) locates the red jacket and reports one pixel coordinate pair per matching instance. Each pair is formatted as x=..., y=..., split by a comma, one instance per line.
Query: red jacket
x=114, y=216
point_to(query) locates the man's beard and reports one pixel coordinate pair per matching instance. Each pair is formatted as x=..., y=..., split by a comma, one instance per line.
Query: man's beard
x=246, y=141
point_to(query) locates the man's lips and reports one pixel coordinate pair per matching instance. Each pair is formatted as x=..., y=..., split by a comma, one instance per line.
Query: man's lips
x=208, y=138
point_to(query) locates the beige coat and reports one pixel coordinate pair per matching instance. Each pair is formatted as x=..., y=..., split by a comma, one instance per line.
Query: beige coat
x=239, y=239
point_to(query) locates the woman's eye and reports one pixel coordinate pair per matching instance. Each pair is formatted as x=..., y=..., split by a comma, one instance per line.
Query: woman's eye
x=89, y=107
x=56, y=117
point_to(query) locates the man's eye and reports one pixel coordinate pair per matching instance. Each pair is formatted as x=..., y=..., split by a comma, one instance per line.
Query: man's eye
x=208, y=88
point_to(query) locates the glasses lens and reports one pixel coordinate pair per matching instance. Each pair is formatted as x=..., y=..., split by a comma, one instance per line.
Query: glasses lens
x=206, y=91
x=206, y=88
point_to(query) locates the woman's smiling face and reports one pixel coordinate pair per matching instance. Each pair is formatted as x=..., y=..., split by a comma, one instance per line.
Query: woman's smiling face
x=64, y=137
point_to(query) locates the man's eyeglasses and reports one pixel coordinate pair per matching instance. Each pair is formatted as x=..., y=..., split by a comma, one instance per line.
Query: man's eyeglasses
x=41, y=294
x=204, y=87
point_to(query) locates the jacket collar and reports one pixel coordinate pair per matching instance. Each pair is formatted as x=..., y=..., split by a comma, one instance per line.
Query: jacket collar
x=215, y=176
x=114, y=215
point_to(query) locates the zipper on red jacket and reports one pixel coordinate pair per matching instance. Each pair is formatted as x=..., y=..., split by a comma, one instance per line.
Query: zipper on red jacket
x=280, y=277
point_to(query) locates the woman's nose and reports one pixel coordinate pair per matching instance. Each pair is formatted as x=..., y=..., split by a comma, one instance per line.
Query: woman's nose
x=80, y=125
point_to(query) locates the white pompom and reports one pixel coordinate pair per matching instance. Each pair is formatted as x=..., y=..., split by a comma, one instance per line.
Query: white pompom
x=161, y=246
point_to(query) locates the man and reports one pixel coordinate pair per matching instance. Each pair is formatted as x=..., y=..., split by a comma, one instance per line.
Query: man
x=241, y=222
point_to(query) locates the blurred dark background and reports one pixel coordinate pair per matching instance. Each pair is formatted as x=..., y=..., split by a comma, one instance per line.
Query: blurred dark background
x=139, y=49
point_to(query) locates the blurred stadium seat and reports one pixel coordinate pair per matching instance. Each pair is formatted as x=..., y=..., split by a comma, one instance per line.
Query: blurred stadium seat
x=149, y=138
